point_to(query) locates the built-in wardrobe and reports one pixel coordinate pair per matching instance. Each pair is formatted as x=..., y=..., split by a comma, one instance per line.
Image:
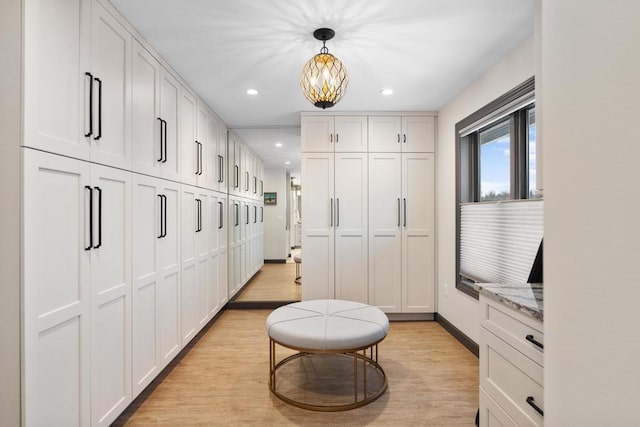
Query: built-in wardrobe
x=126, y=213
x=369, y=209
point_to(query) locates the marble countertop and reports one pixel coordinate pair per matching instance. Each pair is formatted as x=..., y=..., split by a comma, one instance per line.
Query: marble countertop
x=524, y=297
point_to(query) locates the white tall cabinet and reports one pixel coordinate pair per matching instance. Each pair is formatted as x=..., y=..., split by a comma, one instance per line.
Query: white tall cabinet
x=369, y=224
x=124, y=218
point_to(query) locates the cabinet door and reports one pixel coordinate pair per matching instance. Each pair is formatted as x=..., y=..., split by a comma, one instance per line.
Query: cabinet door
x=351, y=227
x=385, y=237
x=169, y=270
x=211, y=252
x=385, y=134
x=169, y=100
x=223, y=159
x=56, y=99
x=318, y=226
x=110, y=65
x=189, y=294
x=145, y=125
x=418, y=134
x=350, y=134
x=211, y=159
x=188, y=146
x=203, y=279
x=418, y=289
x=110, y=295
x=316, y=134
x=147, y=230
x=203, y=137
x=56, y=290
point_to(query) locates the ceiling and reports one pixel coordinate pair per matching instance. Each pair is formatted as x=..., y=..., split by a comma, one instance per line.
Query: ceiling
x=427, y=51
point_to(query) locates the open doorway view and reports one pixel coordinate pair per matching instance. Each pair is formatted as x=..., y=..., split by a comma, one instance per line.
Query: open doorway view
x=278, y=281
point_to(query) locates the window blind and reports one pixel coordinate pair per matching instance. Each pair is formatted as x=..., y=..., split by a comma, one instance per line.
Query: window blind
x=499, y=241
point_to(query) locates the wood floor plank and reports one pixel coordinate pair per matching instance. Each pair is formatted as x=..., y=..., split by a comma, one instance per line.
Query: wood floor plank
x=223, y=380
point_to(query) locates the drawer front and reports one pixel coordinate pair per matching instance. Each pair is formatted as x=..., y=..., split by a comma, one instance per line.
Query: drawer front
x=510, y=378
x=492, y=415
x=513, y=328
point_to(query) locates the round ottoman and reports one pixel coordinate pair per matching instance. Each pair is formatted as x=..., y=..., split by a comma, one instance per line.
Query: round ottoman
x=329, y=327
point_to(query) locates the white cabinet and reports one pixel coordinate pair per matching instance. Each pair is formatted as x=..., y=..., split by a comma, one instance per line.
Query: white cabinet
x=234, y=269
x=156, y=277
x=56, y=58
x=155, y=98
x=217, y=235
x=189, y=149
x=223, y=158
x=77, y=87
x=401, y=232
x=407, y=134
x=234, y=163
x=334, y=230
x=77, y=292
x=328, y=134
x=511, y=366
x=111, y=90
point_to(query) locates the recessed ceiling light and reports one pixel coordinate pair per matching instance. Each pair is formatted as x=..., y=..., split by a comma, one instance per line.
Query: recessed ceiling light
x=287, y=163
x=278, y=144
x=252, y=92
x=386, y=91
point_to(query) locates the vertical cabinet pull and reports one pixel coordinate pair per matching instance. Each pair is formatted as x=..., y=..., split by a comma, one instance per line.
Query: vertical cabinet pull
x=337, y=138
x=99, y=135
x=236, y=176
x=161, y=139
x=246, y=181
x=398, y=138
x=331, y=212
x=399, y=200
x=331, y=137
x=99, y=190
x=532, y=403
x=163, y=216
x=255, y=214
x=197, y=158
x=247, y=216
x=88, y=74
x=261, y=187
x=220, y=215
x=164, y=122
x=337, y=212
x=220, y=168
x=237, y=215
x=405, y=211
x=404, y=138
x=255, y=185
x=261, y=213
x=88, y=248
x=199, y=215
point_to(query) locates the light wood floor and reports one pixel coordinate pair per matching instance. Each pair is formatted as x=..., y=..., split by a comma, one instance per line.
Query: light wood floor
x=223, y=380
x=274, y=282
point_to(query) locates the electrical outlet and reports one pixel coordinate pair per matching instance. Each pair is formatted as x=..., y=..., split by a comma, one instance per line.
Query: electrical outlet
x=446, y=289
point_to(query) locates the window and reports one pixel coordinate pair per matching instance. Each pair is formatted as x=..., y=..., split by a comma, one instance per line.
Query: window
x=499, y=208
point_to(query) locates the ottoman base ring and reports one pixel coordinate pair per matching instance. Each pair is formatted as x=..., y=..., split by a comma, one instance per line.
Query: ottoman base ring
x=359, y=356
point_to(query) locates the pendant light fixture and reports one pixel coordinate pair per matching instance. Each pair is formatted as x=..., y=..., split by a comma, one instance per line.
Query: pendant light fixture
x=324, y=78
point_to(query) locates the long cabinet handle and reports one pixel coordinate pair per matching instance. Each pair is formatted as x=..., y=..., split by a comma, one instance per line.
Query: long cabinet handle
x=99, y=135
x=337, y=212
x=88, y=248
x=237, y=214
x=255, y=214
x=331, y=212
x=337, y=138
x=199, y=215
x=535, y=342
x=405, y=211
x=398, y=138
x=255, y=185
x=236, y=184
x=261, y=187
x=164, y=122
x=220, y=215
x=165, y=215
x=247, y=216
x=220, y=168
x=197, y=157
x=331, y=137
x=404, y=138
x=399, y=215
x=161, y=235
x=88, y=74
x=99, y=190
x=161, y=139
x=246, y=181
x=200, y=157
x=261, y=213
x=531, y=401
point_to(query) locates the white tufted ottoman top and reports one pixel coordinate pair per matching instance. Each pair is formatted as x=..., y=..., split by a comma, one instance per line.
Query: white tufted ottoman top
x=327, y=325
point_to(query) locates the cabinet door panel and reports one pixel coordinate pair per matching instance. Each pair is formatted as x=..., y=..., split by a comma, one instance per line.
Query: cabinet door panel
x=111, y=296
x=317, y=134
x=188, y=264
x=210, y=160
x=169, y=100
x=55, y=87
x=418, y=289
x=56, y=290
x=188, y=147
x=144, y=115
x=224, y=157
x=385, y=237
x=350, y=134
x=318, y=226
x=384, y=134
x=110, y=62
x=351, y=267
x=418, y=134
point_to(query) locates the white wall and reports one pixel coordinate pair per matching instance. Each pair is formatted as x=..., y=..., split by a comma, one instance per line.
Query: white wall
x=10, y=174
x=513, y=69
x=275, y=232
x=591, y=86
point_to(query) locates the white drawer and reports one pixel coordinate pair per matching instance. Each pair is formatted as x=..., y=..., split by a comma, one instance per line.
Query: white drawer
x=492, y=415
x=513, y=327
x=510, y=378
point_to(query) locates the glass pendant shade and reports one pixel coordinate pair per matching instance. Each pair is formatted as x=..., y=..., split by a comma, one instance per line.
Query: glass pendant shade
x=324, y=79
